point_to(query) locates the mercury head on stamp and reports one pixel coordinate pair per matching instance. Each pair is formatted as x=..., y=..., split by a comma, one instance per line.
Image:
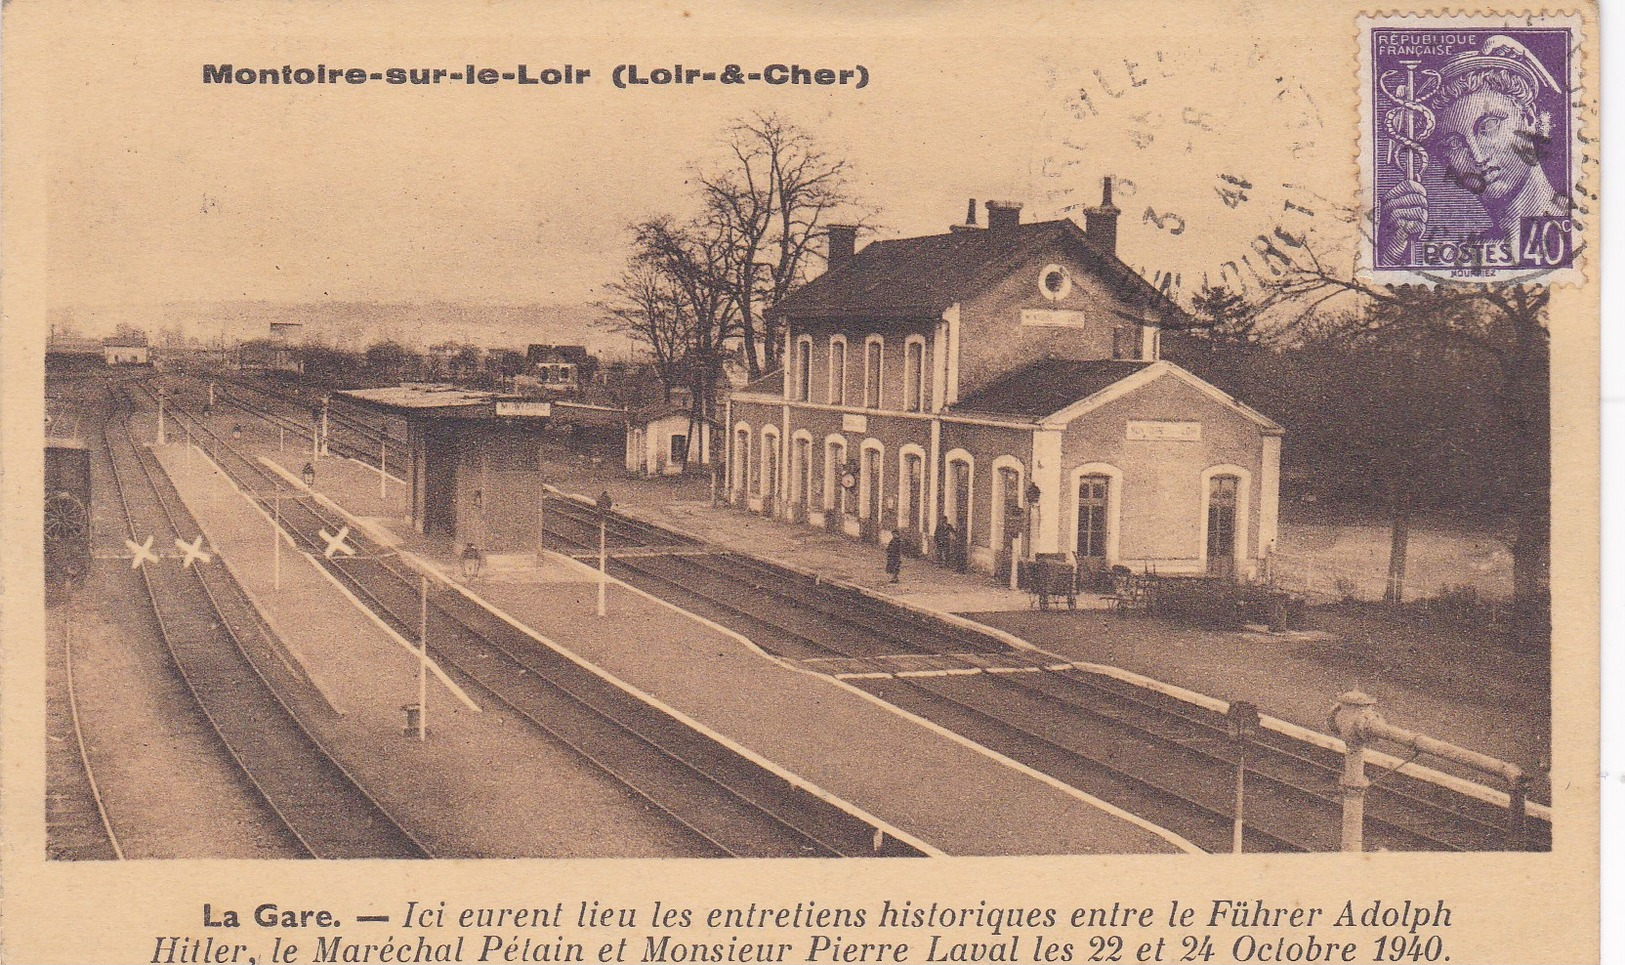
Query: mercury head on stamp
x=1489, y=106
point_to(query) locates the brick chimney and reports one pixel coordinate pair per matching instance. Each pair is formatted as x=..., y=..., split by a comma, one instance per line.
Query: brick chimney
x=843, y=243
x=1003, y=216
x=970, y=219
x=1100, y=224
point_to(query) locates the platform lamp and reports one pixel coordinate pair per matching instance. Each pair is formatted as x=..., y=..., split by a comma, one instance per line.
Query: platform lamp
x=1241, y=722
x=472, y=560
x=604, y=505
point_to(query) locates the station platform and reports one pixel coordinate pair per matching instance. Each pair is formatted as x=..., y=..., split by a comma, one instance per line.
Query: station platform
x=471, y=789
x=1444, y=684
x=950, y=793
x=1440, y=681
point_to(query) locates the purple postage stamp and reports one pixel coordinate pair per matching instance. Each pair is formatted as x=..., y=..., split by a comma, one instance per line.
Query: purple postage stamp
x=1468, y=150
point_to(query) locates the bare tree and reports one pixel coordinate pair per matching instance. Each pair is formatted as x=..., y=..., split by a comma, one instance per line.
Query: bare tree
x=647, y=307
x=768, y=206
x=1505, y=323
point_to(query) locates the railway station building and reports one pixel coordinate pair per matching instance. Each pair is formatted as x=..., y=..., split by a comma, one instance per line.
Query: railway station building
x=474, y=459
x=1003, y=381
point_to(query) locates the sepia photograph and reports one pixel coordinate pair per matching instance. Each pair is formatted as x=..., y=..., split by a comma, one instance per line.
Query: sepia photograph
x=1150, y=450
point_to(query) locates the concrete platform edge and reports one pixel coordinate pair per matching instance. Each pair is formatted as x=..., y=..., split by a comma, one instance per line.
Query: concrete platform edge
x=1460, y=785
x=292, y=656
x=1174, y=839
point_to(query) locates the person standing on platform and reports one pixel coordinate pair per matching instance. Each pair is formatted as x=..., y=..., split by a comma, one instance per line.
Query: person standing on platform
x=945, y=541
x=894, y=556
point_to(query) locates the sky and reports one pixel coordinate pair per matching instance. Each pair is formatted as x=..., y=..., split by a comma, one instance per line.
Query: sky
x=161, y=188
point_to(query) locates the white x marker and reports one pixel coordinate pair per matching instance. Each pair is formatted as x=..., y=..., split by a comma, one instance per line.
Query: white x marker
x=143, y=553
x=193, y=551
x=336, y=544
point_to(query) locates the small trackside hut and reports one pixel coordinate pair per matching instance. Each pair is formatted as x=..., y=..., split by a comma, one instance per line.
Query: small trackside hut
x=1005, y=382
x=474, y=460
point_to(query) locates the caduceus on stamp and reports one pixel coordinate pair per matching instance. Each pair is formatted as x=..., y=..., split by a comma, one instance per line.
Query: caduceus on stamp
x=1469, y=148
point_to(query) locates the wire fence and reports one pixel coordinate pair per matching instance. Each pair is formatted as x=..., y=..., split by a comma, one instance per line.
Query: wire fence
x=1322, y=578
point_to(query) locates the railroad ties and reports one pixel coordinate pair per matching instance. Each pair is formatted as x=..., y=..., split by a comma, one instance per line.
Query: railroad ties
x=204, y=619
x=1151, y=754
x=729, y=805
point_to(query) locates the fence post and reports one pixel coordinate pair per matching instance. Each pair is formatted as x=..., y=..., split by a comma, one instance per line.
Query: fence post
x=1352, y=717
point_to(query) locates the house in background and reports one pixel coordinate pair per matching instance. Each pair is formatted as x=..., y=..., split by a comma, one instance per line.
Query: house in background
x=1003, y=381
x=126, y=349
x=663, y=440
x=561, y=369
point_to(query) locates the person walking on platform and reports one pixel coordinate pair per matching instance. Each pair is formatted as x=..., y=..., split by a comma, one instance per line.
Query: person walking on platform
x=944, y=541
x=894, y=556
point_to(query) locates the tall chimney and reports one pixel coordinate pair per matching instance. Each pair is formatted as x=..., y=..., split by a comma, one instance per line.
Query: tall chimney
x=843, y=243
x=1003, y=216
x=970, y=219
x=1100, y=224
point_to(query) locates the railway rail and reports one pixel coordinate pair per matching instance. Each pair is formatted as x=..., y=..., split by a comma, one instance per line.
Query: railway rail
x=203, y=618
x=727, y=804
x=1149, y=753
x=77, y=824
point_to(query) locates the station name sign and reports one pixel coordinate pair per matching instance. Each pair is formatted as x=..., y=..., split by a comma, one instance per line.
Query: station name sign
x=1140, y=431
x=520, y=407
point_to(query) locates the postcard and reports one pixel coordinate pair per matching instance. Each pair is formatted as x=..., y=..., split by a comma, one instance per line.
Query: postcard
x=806, y=482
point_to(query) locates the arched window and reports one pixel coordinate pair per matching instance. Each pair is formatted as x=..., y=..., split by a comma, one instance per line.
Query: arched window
x=959, y=492
x=801, y=391
x=911, y=488
x=914, y=374
x=1093, y=495
x=837, y=370
x=1226, y=498
x=874, y=356
x=1097, y=500
x=1221, y=524
x=834, y=465
x=801, y=489
x=741, y=466
x=768, y=481
x=1006, y=510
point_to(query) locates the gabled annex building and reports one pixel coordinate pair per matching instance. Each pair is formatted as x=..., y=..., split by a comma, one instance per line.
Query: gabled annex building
x=997, y=392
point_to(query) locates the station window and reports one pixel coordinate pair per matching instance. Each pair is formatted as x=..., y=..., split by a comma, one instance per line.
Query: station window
x=1092, y=494
x=801, y=391
x=837, y=370
x=914, y=376
x=874, y=356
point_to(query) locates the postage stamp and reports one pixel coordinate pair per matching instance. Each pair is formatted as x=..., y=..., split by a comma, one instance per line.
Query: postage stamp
x=1468, y=148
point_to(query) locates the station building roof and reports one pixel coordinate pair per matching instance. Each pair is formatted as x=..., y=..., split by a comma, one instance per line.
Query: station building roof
x=1047, y=387
x=428, y=401
x=1055, y=391
x=920, y=278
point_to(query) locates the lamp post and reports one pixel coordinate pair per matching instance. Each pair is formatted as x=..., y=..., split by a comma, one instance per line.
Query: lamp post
x=327, y=401
x=605, y=504
x=1241, y=720
x=472, y=560
x=423, y=657
x=276, y=540
x=161, y=395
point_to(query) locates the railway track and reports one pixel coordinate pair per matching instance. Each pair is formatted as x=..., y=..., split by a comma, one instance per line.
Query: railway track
x=727, y=804
x=77, y=825
x=1153, y=755
x=203, y=617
